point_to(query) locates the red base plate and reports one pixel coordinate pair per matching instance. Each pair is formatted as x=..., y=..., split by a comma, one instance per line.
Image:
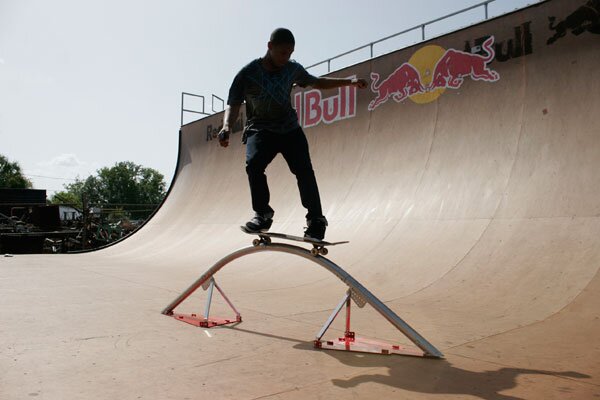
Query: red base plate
x=198, y=320
x=367, y=346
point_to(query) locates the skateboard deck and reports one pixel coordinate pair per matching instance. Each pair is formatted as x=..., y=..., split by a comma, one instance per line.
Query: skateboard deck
x=319, y=246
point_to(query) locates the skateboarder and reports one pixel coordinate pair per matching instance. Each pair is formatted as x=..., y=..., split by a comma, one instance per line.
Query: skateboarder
x=265, y=84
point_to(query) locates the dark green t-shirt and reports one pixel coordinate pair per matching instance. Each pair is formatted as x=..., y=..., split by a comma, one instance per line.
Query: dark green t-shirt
x=268, y=95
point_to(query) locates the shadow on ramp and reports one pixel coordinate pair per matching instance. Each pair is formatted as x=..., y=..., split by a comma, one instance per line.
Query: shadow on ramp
x=441, y=377
x=419, y=375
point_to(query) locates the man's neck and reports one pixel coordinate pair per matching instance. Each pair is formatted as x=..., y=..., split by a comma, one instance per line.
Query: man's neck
x=267, y=62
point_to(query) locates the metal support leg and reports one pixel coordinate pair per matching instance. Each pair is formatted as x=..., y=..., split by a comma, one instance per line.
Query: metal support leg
x=348, y=335
x=334, y=314
x=209, y=297
x=237, y=313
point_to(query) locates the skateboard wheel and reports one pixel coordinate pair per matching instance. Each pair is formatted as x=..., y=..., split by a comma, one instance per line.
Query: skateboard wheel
x=267, y=240
x=324, y=251
x=255, y=242
x=314, y=251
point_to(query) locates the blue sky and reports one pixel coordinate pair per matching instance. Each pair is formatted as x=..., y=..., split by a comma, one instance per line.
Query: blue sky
x=86, y=84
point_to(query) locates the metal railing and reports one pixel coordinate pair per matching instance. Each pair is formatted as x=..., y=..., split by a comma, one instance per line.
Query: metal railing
x=203, y=112
x=214, y=96
x=420, y=26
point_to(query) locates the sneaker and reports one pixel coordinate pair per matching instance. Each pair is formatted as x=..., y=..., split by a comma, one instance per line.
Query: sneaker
x=316, y=228
x=259, y=224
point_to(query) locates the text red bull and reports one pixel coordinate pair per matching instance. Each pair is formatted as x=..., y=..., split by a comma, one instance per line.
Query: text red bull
x=313, y=108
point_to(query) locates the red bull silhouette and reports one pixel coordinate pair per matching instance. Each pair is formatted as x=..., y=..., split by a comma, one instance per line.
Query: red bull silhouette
x=585, y=18
x=405, y=81
x=452, y=68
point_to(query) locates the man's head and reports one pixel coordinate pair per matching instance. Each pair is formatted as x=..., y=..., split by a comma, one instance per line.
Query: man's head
x=281, y=46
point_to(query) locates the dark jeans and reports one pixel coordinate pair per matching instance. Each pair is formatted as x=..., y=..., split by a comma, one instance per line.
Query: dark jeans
x=261, y=149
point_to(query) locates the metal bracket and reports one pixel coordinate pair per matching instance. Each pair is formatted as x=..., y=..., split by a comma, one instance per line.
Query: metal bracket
x=358, y=299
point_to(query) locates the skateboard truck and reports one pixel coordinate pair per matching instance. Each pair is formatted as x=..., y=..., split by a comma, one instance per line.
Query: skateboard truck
x=207, y=321
x=263, y=239
x=316, y=250
x=319, y=249
x=350, y=342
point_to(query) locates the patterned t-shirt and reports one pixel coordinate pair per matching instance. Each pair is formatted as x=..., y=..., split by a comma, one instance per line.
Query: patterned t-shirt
x=268, y=95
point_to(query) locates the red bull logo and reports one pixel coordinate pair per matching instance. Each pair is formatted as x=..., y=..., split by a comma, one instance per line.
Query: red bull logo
x=455, y=65
x=313, y=108
x=430, y=71
x=584, y=18
x=402, y=83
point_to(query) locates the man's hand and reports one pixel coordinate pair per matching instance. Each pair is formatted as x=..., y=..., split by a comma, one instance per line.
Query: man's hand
x=231, y=114
x=224, y=137
x=359, y=83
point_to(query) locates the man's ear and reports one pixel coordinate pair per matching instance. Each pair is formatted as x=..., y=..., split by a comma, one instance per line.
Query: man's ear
x=270, y=45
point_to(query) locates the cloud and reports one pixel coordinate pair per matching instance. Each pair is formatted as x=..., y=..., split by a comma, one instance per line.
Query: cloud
x=2, y=61
x=66, y=160
x=53, y=174
x=63, y=160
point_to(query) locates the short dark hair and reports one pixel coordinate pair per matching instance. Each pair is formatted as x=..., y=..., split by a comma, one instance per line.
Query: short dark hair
x=282, y=36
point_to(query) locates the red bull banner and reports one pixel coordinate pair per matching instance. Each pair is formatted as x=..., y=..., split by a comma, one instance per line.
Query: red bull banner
x=430, y=71
x=423, y=73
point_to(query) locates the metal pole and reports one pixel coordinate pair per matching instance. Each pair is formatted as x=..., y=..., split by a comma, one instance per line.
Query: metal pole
x=182, y=109
x=209, y=298
x=329, y=65
x=377, y=304
x=237, y=313
x=371, y=50
x=347, y=335
x=334, y=314
x=423, y=32
x=486, y=10
x=348, y=304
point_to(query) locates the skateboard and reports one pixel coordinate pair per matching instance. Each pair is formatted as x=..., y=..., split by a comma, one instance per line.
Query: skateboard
x=319, y=246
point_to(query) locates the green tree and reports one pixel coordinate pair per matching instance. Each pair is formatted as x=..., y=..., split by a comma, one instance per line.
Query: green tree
x=66, y=197
x=11, y=175
x=125, y=186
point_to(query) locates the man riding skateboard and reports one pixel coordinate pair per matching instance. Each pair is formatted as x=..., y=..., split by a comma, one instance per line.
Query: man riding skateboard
x=272, y=127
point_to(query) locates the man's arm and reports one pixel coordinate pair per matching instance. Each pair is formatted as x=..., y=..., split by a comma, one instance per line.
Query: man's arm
x=231, y=115
x=332, y=83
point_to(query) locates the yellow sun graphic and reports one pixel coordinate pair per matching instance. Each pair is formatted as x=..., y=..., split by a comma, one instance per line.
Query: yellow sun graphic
x=424, y=61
